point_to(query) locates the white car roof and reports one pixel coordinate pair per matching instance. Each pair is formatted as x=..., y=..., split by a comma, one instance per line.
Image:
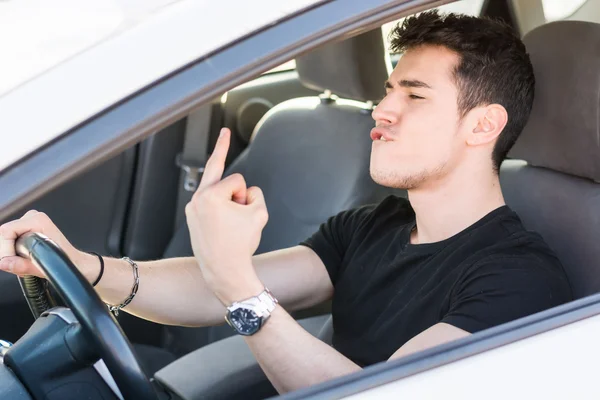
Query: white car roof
x=46, y=91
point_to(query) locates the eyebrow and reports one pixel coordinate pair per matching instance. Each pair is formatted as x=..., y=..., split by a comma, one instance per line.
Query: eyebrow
x=412, y=83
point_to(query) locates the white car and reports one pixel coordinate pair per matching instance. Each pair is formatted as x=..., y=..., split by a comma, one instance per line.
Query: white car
x=108, y=109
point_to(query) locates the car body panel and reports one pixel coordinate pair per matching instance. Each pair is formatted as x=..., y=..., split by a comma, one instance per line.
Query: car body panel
x=557, y=364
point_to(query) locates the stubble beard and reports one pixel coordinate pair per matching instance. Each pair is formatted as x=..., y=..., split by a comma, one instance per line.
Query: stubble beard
x=398, y=180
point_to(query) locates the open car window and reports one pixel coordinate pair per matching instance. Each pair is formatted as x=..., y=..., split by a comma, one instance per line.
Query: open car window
x=555, y=10
x=469, y=7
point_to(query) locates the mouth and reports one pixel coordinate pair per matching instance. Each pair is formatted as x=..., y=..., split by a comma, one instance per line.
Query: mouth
x=378, y=134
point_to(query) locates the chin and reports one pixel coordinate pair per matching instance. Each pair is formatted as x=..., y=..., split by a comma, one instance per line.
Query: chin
x=396, y=179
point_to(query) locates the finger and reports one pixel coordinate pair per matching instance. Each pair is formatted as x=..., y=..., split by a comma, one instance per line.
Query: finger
x=29, y=213
x=239, y=197
x=255, y=196
x=256, y=200
x=9, y=232
x=232, y=188
x=28, y=223
x=213, y=171
x=19, y=266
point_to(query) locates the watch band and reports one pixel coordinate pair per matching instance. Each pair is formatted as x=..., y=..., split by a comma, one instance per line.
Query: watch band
x=267, y=300
x=264, y=302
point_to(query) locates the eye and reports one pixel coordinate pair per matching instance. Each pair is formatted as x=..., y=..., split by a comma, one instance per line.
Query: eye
x=415, y=97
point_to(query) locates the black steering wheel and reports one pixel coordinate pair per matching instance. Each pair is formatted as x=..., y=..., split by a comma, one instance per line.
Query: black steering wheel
x=108, y=339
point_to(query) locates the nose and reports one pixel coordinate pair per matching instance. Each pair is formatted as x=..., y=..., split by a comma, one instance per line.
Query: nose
x=384, y=113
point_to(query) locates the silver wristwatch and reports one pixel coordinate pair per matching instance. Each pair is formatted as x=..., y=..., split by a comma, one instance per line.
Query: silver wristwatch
x=248, y=316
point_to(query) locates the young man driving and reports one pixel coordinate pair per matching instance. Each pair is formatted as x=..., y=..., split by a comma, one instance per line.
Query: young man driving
x=404, y=275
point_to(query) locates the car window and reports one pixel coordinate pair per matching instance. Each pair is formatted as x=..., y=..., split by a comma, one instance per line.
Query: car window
x=560, y=9
x=469, y=7
x=531, y=14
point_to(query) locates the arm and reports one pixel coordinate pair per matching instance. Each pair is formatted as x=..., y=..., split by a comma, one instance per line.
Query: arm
x=491, y=293
x=292, y=358
x=223, y=240
x=173, y=291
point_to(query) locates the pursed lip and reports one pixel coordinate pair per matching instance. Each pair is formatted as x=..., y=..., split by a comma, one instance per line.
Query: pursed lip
x=378, y=133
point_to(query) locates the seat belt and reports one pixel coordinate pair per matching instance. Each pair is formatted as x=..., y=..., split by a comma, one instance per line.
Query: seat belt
x=193, y=157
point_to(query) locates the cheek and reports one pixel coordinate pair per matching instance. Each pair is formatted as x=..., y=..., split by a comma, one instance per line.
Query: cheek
x=427, y=136
x=427, y=126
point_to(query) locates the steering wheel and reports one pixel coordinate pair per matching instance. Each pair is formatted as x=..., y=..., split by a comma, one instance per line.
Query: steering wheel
x=97, y=323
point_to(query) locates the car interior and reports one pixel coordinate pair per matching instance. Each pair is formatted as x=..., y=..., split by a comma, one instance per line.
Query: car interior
x=300, y=132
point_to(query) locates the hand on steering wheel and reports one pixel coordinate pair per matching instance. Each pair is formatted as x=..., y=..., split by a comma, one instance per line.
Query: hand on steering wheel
x=100, y=326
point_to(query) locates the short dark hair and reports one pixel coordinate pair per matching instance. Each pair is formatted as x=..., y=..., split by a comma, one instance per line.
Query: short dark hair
x=494, y=66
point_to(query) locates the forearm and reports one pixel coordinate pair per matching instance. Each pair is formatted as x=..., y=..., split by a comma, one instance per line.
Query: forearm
x=292, y=358
x=174, y=292
x=171, y=291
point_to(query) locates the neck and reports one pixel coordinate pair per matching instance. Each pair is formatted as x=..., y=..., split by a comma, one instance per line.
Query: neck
x=453, y=203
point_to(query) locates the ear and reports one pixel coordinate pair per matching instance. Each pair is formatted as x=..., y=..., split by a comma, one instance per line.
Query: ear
x=489, y=122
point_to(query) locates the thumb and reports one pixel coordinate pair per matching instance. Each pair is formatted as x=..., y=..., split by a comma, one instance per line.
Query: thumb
x=20, y=266
x=256, y=200
x=255, y=197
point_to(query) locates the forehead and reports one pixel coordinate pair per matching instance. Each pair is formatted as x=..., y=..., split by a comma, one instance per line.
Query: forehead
x=430, y=64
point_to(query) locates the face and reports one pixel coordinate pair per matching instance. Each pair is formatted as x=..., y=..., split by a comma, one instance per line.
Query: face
x=418, y=120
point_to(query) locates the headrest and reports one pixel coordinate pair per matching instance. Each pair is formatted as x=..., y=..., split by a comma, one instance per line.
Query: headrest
x=354, y=68
x=563, y=130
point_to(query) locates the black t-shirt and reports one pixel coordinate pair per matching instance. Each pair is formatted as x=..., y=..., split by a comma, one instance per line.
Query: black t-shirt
x=387, y=290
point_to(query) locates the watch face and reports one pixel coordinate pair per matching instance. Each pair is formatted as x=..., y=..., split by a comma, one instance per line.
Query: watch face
x=245, y=321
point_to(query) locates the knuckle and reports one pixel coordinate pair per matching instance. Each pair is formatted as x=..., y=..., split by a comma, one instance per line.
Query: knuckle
x=195, y=196
x=262, y=215
x=40, y=218
x=205, y=197
x=10, y=265
x=29, y=213
x=5, y=230
x=237, y=177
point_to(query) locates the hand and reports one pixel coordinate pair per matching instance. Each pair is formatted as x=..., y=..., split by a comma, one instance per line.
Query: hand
x=32, y=221
x=226, y=219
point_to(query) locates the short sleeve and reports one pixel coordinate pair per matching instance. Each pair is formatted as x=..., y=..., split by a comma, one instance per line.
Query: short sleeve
x=505, y=289
x=331, y=241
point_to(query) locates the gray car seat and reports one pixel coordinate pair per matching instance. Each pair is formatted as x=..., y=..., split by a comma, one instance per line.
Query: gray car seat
x=554, y=187
x=310, y=156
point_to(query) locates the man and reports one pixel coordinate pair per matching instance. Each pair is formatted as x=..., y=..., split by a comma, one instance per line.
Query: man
x=403, y=276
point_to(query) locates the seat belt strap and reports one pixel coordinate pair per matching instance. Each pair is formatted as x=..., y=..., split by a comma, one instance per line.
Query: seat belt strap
x=193, y=157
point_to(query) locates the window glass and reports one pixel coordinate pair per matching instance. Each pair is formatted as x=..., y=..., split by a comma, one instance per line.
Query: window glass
x=469, y=7
x=560, y=9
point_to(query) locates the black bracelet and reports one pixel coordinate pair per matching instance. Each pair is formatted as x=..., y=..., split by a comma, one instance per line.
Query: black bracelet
x=101, y=268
